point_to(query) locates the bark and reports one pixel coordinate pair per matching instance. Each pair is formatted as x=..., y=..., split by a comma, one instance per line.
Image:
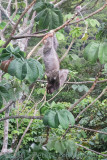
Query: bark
x=5, y=139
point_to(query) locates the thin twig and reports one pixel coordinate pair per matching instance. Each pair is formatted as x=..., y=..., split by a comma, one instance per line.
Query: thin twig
x=18, y=116
x=27, y=99
x=57, y=93
x=3, y=109
x=105, y=155
x=84, y=82
x=18, y=146
x=72, y=42
x=86, y=94
x=102, y=93
x=29, y=55
x=89, y=129
x=91, y=14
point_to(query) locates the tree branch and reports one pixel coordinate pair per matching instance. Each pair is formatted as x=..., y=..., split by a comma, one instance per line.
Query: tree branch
x=3, y=109
x=84, y=82
x=102, y=93
x=15, y=117
x=91, y=14
x=88, y=129
x=105, y=155
x=85, y=95
x=59, y=3
x=72, y=42
x=5, y=12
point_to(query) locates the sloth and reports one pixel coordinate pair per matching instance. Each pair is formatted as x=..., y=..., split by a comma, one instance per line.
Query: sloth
x=55, y=76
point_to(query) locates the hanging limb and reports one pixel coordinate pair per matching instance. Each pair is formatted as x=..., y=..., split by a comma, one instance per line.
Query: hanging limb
x=102, y=93
x=86, y=94
x=14, y=28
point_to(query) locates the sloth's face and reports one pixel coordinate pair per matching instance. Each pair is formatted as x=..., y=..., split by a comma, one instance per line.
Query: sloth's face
x=50, y=88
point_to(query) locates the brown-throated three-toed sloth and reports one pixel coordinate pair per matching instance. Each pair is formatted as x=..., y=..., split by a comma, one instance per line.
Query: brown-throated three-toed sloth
x=55, y=76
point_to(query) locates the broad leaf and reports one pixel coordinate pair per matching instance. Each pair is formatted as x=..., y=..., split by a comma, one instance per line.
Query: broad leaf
x=74, y=56
x=63, y=118
x=94, y=22
x=60, y=36
x=102, y=53
x=51, y=119
x=70, y=117
x=71, y=148
x=11, y=52
x=74, y=86
x=81, y=88
x=91, y=52
x=45, y=118
x=59, y=146
x=48, y=16
x=15, y=69
x=34, y=70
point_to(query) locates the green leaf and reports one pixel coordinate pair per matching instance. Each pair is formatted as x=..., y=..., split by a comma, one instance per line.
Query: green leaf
x=2, y=25
x=52, y=120
x=58, y=12
x=63, y=118
x=48, y=16
x=91, y=52
x=85, y=37
x=70, y=117
x=71, y=148
x=74, y=86
x=74, y=56
x=81, y=88
x=29, y=69
x=94, y=22
x=15, y=69
x=41, y=91
x=59, y=146
x=40, y=69
x=1, y=101
x=60, y=36
x=102, y=53
x=39, y=6
x=32, y=70
x=43, y=109
x=45, y=118
x=4, y=93
x=1, y=42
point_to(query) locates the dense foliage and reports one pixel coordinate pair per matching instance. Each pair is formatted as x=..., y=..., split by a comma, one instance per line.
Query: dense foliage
x=61, y=130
